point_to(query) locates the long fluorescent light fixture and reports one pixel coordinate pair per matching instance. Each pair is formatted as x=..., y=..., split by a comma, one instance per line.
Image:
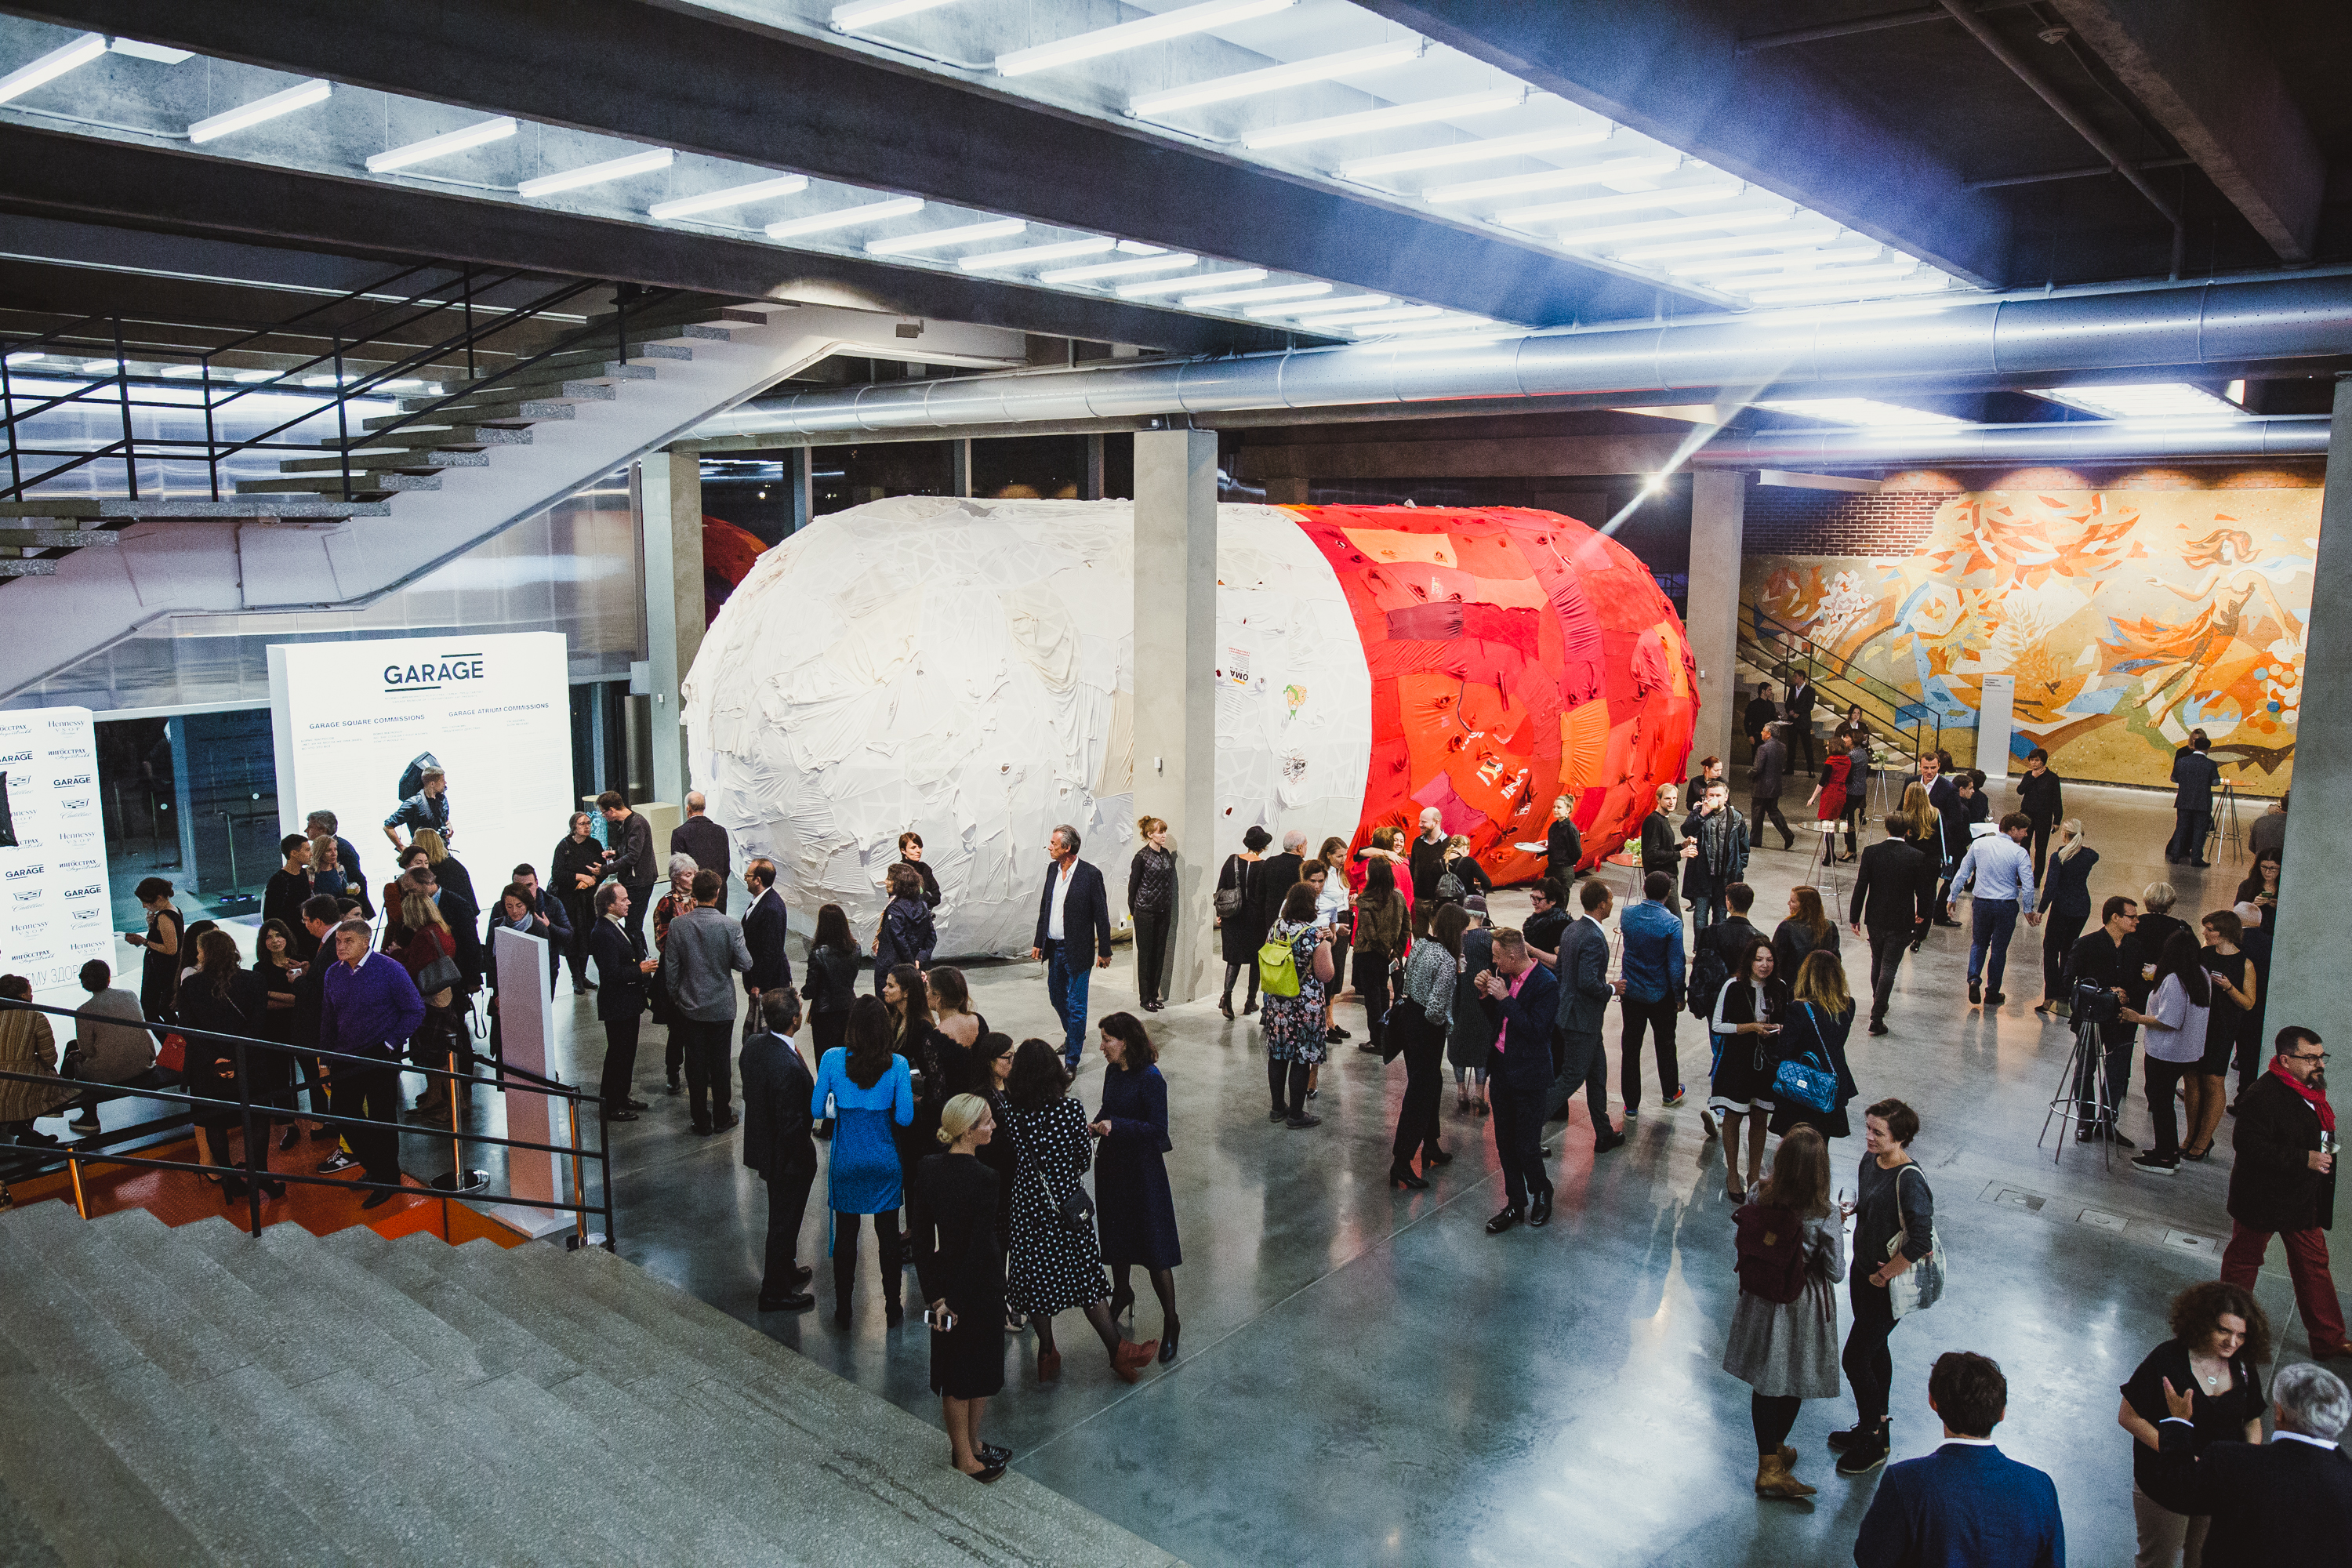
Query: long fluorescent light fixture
x=1059, y=250
x=1297, y=73
x=1252, y=296
x=2143, y=400
x=156, y=52
x=1168, y=286
x=1355, y=319
x=873, y=13
x=1731, y=244
x=1901, y=266
x=1867, y=412
x=962, y=234
x=732, y=197
x=1665, y=227
x=441, y=146
x=1171, y=263
x=1610, y=206
x=300, y=96
x=1323, y=307
x=1924, y=282
x=1776, y=261
x=844, y=218
x=51, y=65
x=1555, y=179
x=1455, y=324
x=1462, y=106
x=1453, y=153
x=644, y=162
x=1134, y=34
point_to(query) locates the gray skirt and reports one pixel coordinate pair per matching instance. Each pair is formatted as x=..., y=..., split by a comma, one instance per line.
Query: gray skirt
x=1792, y=1349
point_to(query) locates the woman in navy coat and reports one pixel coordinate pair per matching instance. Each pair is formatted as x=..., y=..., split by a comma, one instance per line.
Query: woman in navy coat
x=1133, y=1208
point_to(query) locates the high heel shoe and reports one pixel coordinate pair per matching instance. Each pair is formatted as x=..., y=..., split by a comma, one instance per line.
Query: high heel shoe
x=1120, y=1302
x=1433, y=1155
x=1168, y=1339
x=1226, y=1006
x=1402, y=1175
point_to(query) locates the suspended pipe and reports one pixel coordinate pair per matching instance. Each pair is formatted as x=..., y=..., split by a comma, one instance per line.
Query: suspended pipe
x=2073, y=441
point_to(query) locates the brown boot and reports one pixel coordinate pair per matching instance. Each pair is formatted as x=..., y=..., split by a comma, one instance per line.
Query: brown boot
x=1773, y=1480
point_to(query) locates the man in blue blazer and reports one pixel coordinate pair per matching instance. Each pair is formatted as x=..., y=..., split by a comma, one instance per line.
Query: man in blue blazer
x=1073, y=937
x=1585, y=990
x=1967, y=1505
x=1524, y=998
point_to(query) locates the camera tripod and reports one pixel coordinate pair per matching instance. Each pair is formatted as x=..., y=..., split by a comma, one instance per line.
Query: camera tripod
x=2084, y=1097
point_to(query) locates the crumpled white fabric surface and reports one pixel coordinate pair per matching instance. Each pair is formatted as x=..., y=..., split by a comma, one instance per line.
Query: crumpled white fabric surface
x=965, y=668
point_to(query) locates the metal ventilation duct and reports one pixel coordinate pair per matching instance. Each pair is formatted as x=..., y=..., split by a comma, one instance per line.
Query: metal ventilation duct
x=2076, y=441
x=2211, y=326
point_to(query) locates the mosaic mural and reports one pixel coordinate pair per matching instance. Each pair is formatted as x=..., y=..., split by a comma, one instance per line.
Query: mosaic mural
x=2127, y=618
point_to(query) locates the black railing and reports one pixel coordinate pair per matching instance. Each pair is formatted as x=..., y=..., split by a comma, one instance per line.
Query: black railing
x=382, y=332
x=31, y=1159
x=1770, y=639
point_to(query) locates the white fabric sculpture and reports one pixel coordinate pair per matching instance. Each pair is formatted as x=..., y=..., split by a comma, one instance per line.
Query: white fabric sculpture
x=965, y=668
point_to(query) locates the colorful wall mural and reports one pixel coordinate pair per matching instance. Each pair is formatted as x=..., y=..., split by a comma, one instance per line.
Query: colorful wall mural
x=2127, y=618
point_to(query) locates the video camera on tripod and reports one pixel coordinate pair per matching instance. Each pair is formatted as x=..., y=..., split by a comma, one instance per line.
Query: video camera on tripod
x=2095, y=1004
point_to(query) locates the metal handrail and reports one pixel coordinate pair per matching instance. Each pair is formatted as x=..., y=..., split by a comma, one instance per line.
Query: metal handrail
x=1841, y=668
x=74, y=1156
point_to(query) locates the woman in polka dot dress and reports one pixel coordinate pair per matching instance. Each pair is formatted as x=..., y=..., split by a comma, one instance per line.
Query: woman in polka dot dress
x=1056, y=1264
x=1295, y=1038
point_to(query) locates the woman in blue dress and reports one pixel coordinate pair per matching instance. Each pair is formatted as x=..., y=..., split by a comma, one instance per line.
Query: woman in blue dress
x=871, y=1091
x=1133, y=1208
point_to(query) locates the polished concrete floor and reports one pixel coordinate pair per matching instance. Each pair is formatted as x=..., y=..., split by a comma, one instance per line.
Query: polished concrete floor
x=1367, y=1377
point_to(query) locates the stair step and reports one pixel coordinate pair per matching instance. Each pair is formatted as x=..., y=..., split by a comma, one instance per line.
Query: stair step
x=57, y=538
x=59, y=1468
x=686, y=320
x=414, y=461
x=23, y=568
x=374, y=485
x=593, y=351
x=364, y=1294
x=500, y=394
x=440, y=437
x=114, y=507
x=300, y=1309
x=524, y=413
x=501, y=1345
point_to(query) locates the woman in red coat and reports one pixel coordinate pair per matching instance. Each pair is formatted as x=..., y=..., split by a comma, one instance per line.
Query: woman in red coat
x=1828, y=795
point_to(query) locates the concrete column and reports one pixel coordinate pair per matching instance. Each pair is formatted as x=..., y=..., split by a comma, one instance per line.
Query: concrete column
x=1091, y=487
x=669, y=517
x=800, y=485
x=1175, y=684
x=2306, y=987
x=1719, y=512
x=960, y=468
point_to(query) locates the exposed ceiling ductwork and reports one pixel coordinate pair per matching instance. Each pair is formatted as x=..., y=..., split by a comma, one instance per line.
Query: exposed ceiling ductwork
x=2074, y=441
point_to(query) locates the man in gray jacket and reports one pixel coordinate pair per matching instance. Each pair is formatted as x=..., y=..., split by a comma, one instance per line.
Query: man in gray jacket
x=1585, y=989
x=701, y=958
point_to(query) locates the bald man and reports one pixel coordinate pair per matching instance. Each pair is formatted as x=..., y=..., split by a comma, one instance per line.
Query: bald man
x=705, y=840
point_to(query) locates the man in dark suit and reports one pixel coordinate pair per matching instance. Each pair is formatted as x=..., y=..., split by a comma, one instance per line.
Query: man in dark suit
x=763, y=931
x=705, y=840
x=1585, y=990
x=2287, y=1502
x=1765, y=774
x=2283, y=1183
x=1759, y=715
x=1524, y=1001
x=777, y=1088
x=1072, y=936
x=2193, y=777
x=1967, y=1503
x=1887, y=888
x=1803, y=695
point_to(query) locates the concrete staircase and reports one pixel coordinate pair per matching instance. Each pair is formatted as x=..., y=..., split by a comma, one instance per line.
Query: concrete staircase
x=196, y=1396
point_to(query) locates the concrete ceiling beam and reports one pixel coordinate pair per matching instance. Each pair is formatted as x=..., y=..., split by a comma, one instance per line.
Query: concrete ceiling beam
x=2202, y=71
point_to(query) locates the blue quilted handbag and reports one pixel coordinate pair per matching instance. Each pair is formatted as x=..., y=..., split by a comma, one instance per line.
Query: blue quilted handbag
x=1804, y=1080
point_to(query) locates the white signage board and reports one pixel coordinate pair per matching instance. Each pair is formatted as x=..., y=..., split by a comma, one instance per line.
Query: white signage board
x=496, y=711
x=55, y=915
x=1995, y=715
x=521, y=963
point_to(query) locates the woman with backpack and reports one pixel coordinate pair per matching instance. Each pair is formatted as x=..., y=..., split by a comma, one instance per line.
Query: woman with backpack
x=1237, y=938
x=1783, y=1342
x=1294, y=1002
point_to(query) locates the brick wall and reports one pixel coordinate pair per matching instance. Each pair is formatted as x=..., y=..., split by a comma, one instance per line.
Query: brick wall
x=1782, y=520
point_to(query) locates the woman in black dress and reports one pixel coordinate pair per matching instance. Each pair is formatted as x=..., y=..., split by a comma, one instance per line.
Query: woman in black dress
x=993, y=1061
x=275, y=967
x=572, y=872
x=1749, y=1012
x=938, y=1065
x=2066, y=904
x=159, y=971
x=965, y=1284
x=1133, y=1208
x=223, y=998
x=1821, y=1015
x=835, y=962
x=1239, y=935
x=2220, y=1335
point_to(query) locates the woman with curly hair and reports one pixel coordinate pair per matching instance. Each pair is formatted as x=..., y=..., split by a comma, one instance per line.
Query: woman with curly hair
x=2220, y=1335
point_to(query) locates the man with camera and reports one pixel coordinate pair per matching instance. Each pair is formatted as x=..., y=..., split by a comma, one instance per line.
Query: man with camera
x=2102, y=977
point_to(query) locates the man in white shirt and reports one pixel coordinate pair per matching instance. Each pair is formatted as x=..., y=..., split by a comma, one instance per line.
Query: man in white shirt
x=1072, y=936
x=1999, y=871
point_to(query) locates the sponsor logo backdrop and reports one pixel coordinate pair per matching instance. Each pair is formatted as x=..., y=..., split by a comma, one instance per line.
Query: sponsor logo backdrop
x=53, y=897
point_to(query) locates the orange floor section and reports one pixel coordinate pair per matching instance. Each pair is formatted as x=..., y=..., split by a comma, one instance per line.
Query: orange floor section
x=183, y=1197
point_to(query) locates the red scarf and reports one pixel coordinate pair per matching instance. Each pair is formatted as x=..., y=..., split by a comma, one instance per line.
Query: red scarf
x=2317, y=1101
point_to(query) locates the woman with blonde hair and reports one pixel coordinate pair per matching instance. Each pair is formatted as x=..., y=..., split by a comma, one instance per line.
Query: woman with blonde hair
x=428, y=950
x=1821, y=1015
x=1152, y=902
x=964, y=1283
x=2066, y=908
x=1784, y=1346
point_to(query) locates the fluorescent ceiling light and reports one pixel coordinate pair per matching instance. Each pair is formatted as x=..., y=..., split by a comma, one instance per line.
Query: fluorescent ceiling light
x=51, y=65
x=1365, y=122
x=27, y=357
x=1120, y=268
x=1925, y=282
x=1610, y=206
x=1165, y=285
x=1899, y=267
x=1731, y=244
x=156, y=52
x=873, y=13
x=1134, y=34
x=302, y=95
x=1776, y=261
x=1556, y=179
x=1494, y=147
x=1355, y=319
x=1660, y=228
x=1861, y=411
x=250, y=375
x=183, y=371
x=1323, y=307
x=2143, y=400
x=1060, y=250
x=644, y=162
x=1137, y=247
x=1452, y=324
x=98, y=367
x=962, y=234
x=441, y=146
x=732, y=197
x=326, y=380
x=844, y=218
x=1247, y=84
x=1252, y=296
